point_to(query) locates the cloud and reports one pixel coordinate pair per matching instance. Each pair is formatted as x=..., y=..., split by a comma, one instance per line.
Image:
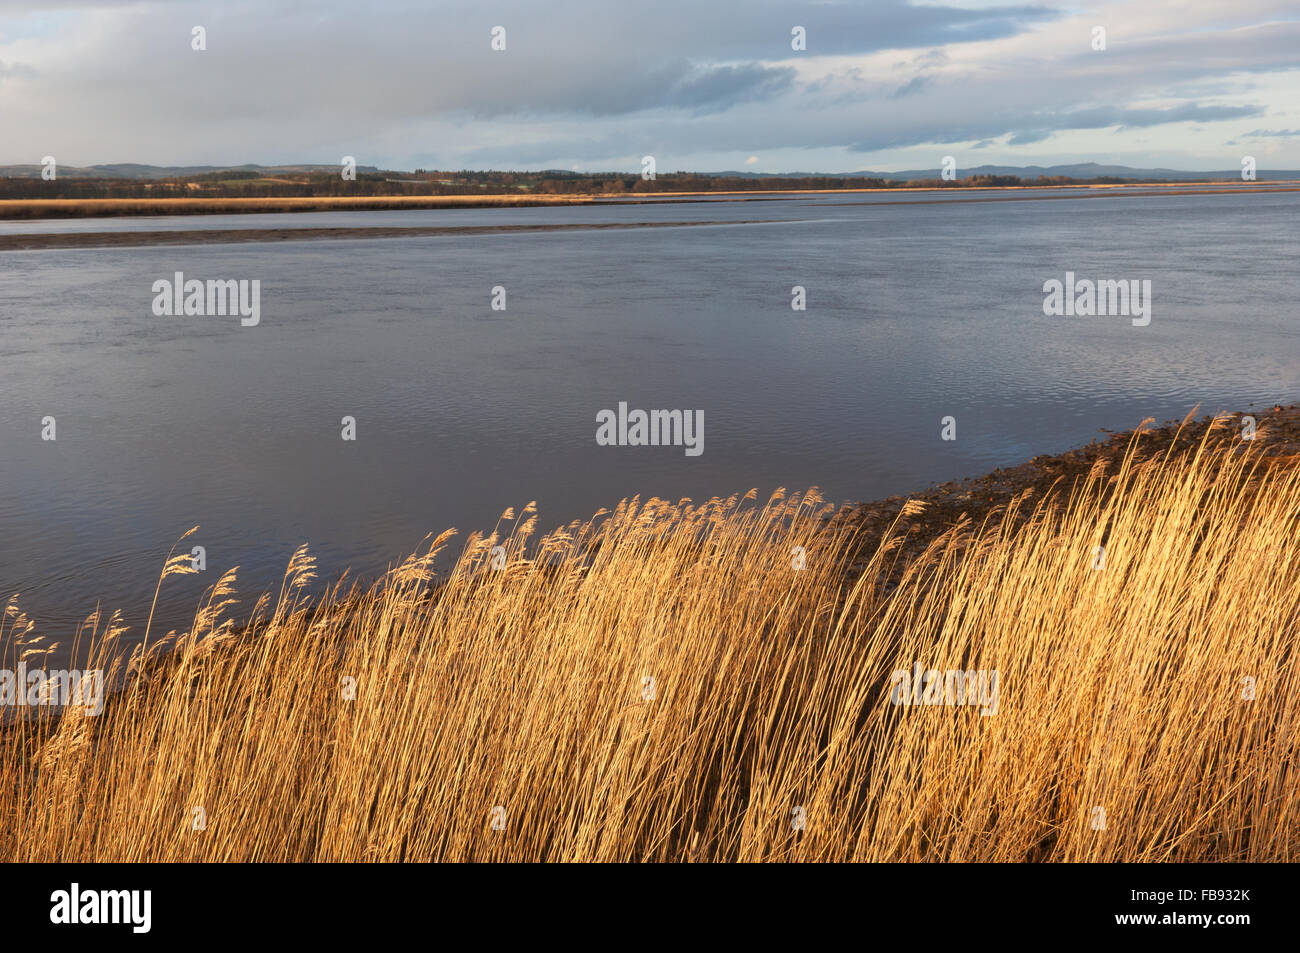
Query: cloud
x=913, y=85
x=403, y=83
x=710, y=88
x=1106, y=116
x=15, y=70
x=1038, y=126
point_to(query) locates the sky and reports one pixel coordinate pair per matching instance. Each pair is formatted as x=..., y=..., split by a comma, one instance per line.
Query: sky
x=701, y=85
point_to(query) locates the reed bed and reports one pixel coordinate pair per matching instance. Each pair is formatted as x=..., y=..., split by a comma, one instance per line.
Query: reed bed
x=94, y=208
x=683, y=682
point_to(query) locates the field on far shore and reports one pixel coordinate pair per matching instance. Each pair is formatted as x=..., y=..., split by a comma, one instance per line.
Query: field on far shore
x=105, y=208
x=97, y=208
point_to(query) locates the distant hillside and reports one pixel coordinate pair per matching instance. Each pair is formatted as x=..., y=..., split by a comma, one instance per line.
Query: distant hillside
x=134, y=170
x=1078, y=170
x=1081, y=170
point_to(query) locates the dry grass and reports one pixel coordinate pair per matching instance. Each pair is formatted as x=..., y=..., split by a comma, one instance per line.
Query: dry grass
x=525, y=688
x=102, y=208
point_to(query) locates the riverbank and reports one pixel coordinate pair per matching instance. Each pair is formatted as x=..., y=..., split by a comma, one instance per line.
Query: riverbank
x=924, y=516
x=700, y=682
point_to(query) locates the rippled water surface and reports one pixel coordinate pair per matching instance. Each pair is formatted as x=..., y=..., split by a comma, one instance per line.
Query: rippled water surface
x=916, y=310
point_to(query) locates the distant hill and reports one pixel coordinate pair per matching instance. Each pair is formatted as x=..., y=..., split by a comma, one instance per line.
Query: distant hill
x=134, y=170
x=1078, y=170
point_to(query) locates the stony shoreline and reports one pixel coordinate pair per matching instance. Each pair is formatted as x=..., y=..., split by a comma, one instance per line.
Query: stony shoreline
x=931, y=512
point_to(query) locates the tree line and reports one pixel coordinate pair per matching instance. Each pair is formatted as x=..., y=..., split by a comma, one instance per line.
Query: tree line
x=242, y=183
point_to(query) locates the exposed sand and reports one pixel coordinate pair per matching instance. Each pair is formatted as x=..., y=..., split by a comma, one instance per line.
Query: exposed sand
x=211, y=236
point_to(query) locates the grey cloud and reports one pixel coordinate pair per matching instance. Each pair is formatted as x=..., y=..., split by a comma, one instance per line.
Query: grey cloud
x=1030, y=136
x=676, y=84
x=956, y=122
x=1107, y=116
x=913, y=85
x=721, y=86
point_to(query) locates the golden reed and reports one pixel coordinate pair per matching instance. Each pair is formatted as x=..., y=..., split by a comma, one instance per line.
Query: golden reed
x=664, y=683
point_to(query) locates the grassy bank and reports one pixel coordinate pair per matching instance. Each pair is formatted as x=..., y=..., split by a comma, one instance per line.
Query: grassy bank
x=687, y=682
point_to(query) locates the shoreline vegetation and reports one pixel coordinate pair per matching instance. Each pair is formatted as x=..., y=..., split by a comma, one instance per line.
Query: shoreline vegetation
x=719, y=681
x=35, y=207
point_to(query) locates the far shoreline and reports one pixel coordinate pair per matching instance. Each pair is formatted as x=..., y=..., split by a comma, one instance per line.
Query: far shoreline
x=42, y=209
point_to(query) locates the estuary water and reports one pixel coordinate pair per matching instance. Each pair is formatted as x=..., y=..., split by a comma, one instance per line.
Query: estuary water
x=916, y=310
